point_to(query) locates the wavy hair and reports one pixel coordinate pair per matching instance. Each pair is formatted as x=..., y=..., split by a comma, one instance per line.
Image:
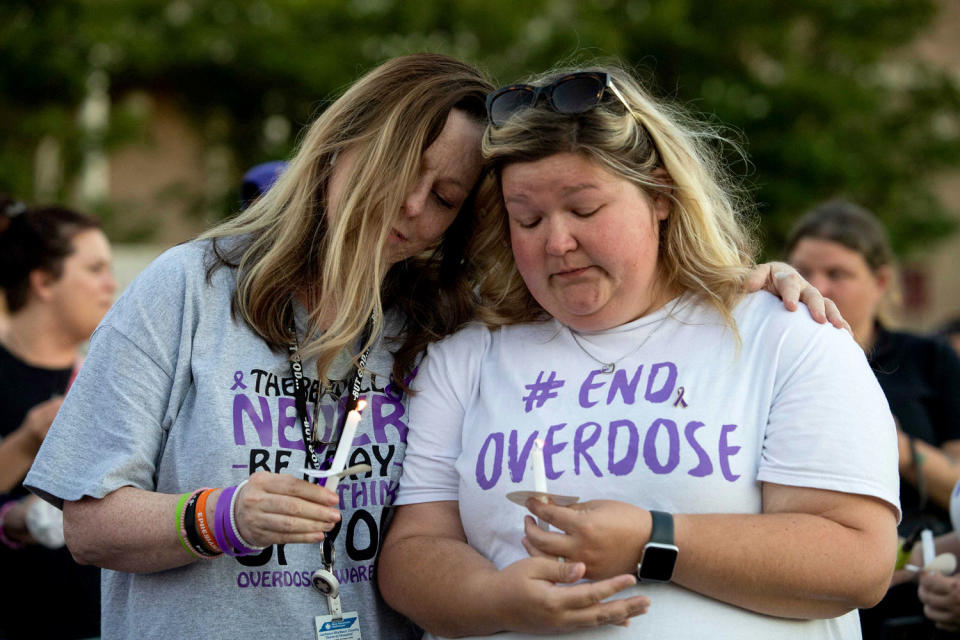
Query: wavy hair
x=290, y=246
x=705, y=247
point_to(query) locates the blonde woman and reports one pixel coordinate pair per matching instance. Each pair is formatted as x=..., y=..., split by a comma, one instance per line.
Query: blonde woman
x=738, y=460
x=230, y=365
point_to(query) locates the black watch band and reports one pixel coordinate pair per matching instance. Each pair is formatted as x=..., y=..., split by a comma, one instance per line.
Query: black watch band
x=660, y=553
x=662, y=529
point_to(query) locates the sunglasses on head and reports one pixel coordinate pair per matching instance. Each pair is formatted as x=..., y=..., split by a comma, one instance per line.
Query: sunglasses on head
x=574, y=93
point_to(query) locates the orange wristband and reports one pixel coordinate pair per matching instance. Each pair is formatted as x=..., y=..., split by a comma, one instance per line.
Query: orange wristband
x=201, y=519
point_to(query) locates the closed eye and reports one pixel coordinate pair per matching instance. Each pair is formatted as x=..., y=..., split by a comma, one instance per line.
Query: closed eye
x=443, y=202
x=585, y=214
x=528, y=224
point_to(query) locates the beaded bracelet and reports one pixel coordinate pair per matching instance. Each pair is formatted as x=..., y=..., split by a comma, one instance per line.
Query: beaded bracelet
x=190, y=525
x=201, y=522
x=233, y=521
x=7, y=542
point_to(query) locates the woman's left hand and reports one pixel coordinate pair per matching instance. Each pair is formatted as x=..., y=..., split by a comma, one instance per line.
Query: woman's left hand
x=786, y=283
x=606, y=535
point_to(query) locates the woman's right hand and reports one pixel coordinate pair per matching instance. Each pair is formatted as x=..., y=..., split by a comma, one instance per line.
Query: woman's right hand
x=278, y=508
x=536, y=599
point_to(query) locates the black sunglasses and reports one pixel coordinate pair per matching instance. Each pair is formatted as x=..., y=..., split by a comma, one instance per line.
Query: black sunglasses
x=575, y=93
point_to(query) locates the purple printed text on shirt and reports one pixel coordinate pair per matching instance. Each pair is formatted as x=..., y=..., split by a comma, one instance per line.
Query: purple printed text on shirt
x=661, y=381
x=263, y=417
x=618, y=454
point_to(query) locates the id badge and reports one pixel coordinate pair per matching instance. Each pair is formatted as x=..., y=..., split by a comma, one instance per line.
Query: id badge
x=346, y=628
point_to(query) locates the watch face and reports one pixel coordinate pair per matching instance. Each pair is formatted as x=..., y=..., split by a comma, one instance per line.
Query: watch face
x=657, y=562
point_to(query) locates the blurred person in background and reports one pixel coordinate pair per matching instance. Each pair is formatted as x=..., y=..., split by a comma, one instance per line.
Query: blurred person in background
x=939, y=591
x=55, y=272
x=258, y=180
x=844, y=251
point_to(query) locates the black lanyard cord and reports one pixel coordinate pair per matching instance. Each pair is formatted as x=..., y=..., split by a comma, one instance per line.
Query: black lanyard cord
x=310, y=436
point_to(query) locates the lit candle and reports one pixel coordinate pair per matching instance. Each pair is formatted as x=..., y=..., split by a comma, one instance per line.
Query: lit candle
x=539, y=474
x=343, y=449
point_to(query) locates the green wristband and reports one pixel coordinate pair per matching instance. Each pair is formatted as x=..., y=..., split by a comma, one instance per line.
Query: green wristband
x=181, y=532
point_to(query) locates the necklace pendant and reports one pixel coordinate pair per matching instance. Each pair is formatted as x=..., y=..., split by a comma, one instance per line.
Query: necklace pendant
x=608, y=367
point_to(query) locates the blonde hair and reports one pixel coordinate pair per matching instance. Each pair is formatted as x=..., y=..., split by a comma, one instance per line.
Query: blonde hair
x=705, y=247
x=289, y=244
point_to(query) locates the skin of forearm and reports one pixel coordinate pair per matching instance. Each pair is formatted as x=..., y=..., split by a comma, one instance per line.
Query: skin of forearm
x=789, y=565
x=940, y=470
x=450, y=595
x=16, y=455
x=128, y=530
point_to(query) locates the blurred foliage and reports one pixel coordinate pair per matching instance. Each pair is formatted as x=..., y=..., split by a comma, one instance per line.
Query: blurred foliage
x=823, y=94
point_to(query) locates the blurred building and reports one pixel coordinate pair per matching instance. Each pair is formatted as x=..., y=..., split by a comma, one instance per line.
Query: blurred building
x=931, y=279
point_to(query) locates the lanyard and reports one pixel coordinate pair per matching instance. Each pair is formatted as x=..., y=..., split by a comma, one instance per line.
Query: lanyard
x=324, y=580
x=311, y=438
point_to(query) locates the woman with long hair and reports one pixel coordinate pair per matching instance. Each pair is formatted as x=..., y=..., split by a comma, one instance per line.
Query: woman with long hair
x=664, y=427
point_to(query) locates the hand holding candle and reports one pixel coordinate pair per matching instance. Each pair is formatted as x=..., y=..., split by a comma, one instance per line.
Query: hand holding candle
x=540, y=485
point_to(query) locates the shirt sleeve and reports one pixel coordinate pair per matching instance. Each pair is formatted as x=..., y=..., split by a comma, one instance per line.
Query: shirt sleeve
x=829, y=425
x=442, y=390
x=111, y=429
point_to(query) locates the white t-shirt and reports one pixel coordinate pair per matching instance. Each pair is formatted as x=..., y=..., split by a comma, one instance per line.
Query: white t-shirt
x=687, y=423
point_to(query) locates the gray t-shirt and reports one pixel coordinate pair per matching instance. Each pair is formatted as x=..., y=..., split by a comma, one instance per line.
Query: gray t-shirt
x=176, y=395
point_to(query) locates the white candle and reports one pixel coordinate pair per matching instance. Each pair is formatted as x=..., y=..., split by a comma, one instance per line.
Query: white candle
x=346, y=442
x=539, y=474
x=929, y=549
x=540, y=478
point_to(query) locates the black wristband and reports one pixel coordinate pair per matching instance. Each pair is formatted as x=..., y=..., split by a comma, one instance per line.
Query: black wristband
x=662, y=528
x=190, y=527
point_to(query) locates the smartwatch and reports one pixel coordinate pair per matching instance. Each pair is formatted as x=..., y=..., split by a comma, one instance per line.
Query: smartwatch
x=660, y=553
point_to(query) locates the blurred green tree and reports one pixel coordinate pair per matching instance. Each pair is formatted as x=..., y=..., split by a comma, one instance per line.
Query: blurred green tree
x=824, y=94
